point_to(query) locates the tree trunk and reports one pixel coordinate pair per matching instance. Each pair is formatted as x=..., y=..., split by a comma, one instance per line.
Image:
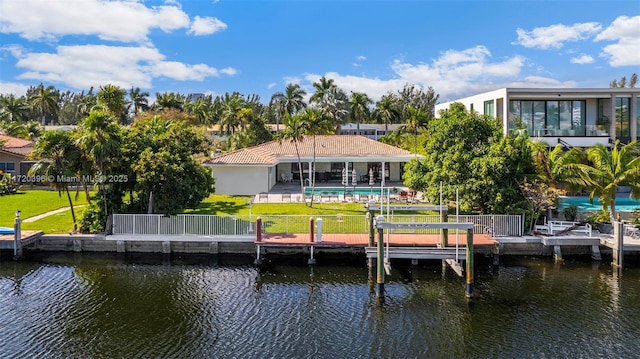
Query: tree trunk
x=73, y=213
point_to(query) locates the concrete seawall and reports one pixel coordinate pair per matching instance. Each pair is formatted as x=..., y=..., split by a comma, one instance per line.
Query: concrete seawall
x=102, y=243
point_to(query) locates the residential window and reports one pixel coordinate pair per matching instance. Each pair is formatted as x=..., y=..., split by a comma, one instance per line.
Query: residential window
x=539, y=125
x=603, y=120
x=549, y=118
x=623, y=117
x=7, y=166
x=489, y=108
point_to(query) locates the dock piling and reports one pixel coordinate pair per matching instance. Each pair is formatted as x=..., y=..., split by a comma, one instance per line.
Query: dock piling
x=17, y=239
x=380, y=260
x=469, y=270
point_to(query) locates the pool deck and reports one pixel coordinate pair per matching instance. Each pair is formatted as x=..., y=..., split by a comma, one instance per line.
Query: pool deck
x=290, y=193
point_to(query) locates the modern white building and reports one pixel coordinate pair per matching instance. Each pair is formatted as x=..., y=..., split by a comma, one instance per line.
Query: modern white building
x=578, y=117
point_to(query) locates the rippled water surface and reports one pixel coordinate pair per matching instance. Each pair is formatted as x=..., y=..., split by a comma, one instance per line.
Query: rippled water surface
x=103, y=306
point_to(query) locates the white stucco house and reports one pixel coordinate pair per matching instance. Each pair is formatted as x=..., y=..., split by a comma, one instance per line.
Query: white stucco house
x=257, y=169
x=579, y=117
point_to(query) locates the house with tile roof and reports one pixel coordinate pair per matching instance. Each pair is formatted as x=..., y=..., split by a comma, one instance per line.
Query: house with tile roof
x=13, y=155
x=257, y=169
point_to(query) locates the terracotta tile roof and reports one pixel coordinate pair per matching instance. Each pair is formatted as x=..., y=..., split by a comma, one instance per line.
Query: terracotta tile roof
x=327, y=147
x=16, y=145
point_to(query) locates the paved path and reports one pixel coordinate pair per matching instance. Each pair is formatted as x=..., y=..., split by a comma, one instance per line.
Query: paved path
x=47, y=214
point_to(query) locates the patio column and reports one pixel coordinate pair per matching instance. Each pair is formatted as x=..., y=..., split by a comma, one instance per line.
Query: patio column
x=311, y=174
x=382, y=180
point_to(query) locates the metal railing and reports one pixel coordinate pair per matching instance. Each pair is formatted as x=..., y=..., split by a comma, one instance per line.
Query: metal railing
x=181, y=224
x=194, y=224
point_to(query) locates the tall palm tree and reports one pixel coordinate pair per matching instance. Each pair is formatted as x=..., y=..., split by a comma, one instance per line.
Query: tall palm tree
x=331, y=100
x=112, y=99
x=56, y=152
x=607, y=170
x=168, y=100
x=288, y=102
x=99, y=138
x=416, y=121
x=13, y=109
x=553, y=163
x=315, y=122
x=360, y=108
x=294, y=132
x=44, y=101
x=139, y=100
x=230, y=112
x=387, y=112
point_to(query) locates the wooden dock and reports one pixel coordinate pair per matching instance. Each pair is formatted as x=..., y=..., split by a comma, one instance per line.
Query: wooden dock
x=28, y=237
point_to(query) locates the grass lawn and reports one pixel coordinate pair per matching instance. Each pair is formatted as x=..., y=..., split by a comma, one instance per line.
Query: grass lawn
x=239, y=205
x=34, y=202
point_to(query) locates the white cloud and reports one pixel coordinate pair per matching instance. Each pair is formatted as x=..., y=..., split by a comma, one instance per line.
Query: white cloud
x=582, y=59
x=206, y=26
x=454, y=73
x=361, y=58
x=626, y=32
x=126, y=21
x=554, y=36
x=271, y=85
x=82, y=67
x=17, y=89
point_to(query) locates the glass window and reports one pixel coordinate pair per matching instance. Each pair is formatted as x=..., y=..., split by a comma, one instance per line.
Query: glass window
x=527, y=115
x=539, y=125
x=553, y=118
x=578, y=119
x=514, y=114
x=603, y=120
x=489, y=108
x=565, y=118
x=623, y=117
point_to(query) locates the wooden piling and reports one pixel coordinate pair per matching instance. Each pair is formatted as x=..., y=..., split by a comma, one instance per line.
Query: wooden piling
x=371, y=229
x=618, y=244
x=380, y=260
x=469, y=270
x=444, y=233
x=258, y=229
x=311, y=229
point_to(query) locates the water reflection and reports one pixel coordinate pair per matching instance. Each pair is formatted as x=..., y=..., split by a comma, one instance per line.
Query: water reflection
x=70, y=305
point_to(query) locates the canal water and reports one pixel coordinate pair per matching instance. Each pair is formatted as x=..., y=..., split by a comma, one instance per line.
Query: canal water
x=108, y=306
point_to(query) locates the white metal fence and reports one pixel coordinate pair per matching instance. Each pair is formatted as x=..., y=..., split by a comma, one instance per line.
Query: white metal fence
x=181, y=224
x=194, y=224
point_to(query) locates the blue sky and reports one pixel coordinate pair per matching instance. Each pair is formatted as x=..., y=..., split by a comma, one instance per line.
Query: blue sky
x=257, y=47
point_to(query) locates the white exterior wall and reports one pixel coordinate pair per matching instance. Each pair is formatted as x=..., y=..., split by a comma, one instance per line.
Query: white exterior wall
x=243, y=180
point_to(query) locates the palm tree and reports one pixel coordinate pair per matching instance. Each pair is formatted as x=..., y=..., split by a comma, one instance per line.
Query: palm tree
x=315, y=123
x=111, y=99
x=167, y=100
x=139, y=100
x=56, y=151
x=331, y=100
x=387, y=112
x=360, y=108
x=13, y=109
x=294, y=132
x=99, y=138
x=607, y=170
x=289, y=102
x=44, y=101
x=230, y=112
x=416, y=121
x=553, y=163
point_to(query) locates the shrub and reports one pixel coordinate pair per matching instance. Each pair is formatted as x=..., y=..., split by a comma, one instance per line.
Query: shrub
x=571, y=212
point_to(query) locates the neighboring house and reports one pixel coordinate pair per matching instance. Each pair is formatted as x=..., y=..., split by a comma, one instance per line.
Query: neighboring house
x=569, y=116
x=13, y=155
x=257, y=169
x=370, y=130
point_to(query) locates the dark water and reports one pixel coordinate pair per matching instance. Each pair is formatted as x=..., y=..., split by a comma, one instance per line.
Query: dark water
x=103, y=306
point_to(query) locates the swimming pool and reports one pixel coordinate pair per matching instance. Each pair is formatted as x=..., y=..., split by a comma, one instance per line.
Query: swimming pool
x=624, y=204
x=352, y=190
